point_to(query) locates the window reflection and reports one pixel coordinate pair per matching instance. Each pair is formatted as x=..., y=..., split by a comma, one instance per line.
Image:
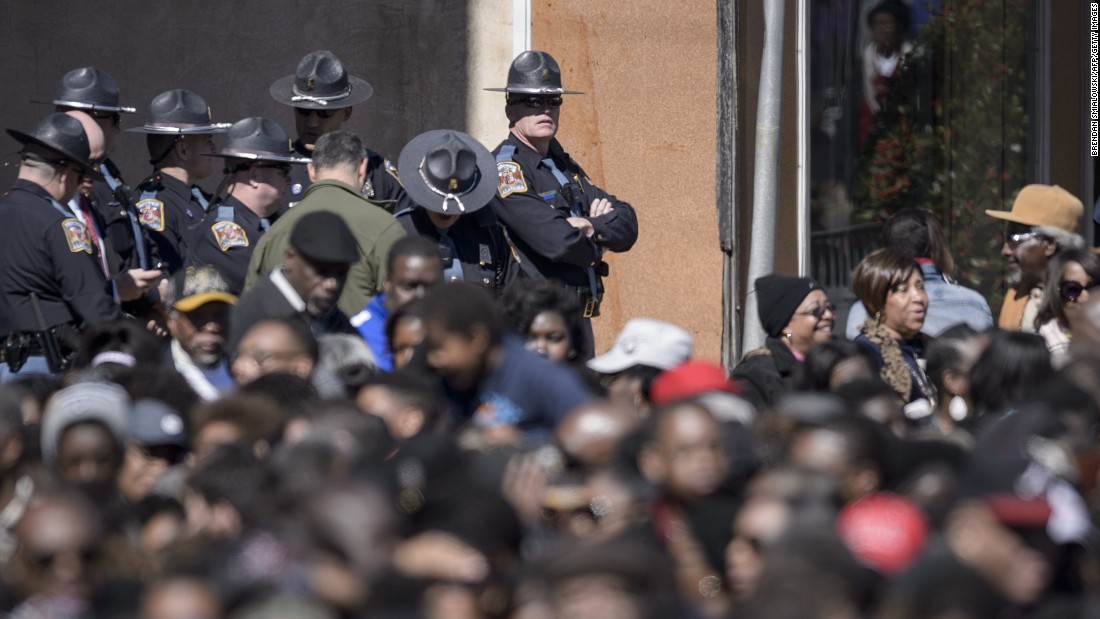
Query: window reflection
x=919, y=104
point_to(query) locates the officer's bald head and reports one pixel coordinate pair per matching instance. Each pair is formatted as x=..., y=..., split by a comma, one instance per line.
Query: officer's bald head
x=97, y=142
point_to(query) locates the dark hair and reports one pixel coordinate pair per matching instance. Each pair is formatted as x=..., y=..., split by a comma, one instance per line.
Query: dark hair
x=864, y=440
x=298, y=330
x=123, y=336
x=412, y=310
x=338, y=148
x=258, y=417
x=524, y=299
x=413, y=390
x=293, y=394
x=895, y=8
x=156, y=504
x=815, y=373
x=878, y=273
x=1053, y=306
x=916, y=233
x=231, y=474
x=945, y=353
x=1010, y=369
x=410, y=246
x=460, y=307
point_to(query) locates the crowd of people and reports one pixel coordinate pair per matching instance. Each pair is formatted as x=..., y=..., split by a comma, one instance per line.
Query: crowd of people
x=343, y=388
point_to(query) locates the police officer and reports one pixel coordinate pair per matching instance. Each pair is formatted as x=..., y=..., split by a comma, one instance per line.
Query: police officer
x=322, y=95
x=451, y=176
x=180, y=139
x=51, y=283
x=257, y=173
x=566, y=241
x=131, y=254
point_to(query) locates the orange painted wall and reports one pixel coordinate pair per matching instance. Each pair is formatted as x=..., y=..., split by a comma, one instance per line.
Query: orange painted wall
x=645, y=131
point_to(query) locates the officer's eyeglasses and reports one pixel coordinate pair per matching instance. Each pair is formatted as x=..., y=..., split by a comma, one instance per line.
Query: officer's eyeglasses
x=114, y=117
x=305, y=112
x=1071, y=290
x=537, y=103
x=1019, y=238
x=819, y=312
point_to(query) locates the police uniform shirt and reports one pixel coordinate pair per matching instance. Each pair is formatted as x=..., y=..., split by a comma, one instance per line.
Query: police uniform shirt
x=48, y=252
x=382, y=186
x=170, y=211
x=227, y=243
x=530, y=204
x=479, y=245
x=121, y=231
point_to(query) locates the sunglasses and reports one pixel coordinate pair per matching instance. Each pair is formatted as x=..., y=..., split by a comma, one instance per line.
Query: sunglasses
x=305, y=112
x=1019, y=238
x=1071, y=290
x=536, y=102
x=283, y=168
x=114, y=117
x=820, y=311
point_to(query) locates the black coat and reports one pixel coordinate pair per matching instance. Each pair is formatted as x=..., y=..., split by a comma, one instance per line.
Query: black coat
x=765, y=373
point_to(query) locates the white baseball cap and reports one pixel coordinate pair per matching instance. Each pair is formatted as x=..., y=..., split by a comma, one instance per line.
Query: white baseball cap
x=644, y=341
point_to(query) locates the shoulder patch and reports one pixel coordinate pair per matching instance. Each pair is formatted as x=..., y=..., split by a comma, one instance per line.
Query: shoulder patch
x=76, y=235
x=229, y=234
x=510, y=178
x=392, y=169
x=151, y=214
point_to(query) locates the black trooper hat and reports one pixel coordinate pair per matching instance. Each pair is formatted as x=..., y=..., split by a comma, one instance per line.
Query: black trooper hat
x=179, y=112
x=89, y=89
x=448, y=172
x=535, y=73
x=321, y=83
x=63, y=135
x=324, y=237
x=258, y=139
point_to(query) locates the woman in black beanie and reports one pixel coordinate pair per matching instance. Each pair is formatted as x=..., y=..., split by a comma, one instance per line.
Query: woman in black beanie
x=796, y=314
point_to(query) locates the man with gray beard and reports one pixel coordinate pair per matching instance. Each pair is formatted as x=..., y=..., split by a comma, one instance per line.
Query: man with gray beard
x=198, y=320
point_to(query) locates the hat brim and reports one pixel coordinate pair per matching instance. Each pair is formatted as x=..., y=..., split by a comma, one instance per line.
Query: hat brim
x=282, y=90
x=1008, y=216
x=527, y=90
x=228, y=153
x=90, y=107
x=416, y=187
x=169, y=130
x=195, y=301
x=611, y=362
x=85, y=167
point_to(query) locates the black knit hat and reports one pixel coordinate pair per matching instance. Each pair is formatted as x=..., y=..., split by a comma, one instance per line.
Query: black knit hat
x=777, y=297
x=324, y=237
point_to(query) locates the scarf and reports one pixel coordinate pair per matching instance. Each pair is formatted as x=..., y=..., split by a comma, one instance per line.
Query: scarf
x=895, y=371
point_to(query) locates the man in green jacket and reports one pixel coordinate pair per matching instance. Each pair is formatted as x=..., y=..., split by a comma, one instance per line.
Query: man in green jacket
x=337, y=172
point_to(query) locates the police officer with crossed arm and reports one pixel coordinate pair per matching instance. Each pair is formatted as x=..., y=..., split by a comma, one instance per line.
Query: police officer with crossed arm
x=558, y=220
x=181, y=139
x=51, y=283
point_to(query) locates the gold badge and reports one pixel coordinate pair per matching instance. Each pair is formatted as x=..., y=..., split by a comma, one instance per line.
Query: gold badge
x=228, y=234
x=76, y=235
x=510, y=179
x=392, y=169
x=151, y=214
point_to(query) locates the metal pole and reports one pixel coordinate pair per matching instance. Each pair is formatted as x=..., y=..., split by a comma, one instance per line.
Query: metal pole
x=765, y=188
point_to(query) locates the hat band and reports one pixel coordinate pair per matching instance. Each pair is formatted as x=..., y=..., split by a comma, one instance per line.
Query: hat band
x=448, y=196
x=170, y=126
x=80, y=105
x=319, y=99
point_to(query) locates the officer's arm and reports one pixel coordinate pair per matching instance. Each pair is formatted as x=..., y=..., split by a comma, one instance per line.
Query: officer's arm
x=82, y=284
x=388, y=191
x=618, y=229
x=545, y=229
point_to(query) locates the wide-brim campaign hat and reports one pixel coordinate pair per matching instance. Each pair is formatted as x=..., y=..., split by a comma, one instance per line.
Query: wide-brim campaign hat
x=321, y=83
x=258, y=139
x=535, y=73
x=1044, y=205
x=180, y=112
x=448, y=172
x=89, y=89
x=64, y=135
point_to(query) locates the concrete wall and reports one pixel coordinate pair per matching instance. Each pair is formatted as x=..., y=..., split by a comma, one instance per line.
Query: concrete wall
x=645, y=131
x=412, y=51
